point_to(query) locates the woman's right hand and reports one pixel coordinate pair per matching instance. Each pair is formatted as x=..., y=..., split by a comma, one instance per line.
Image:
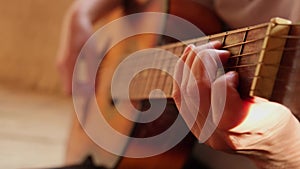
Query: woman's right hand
x=77, y=28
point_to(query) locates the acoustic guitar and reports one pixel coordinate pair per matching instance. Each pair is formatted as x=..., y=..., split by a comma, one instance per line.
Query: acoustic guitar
x=266, y=56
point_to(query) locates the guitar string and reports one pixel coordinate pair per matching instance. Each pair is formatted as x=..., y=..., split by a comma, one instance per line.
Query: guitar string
x=289, y=49
x=258, y=52
x=243, y=43
x=206, y=38
x=228, y=33
x=155, y=74
x=168, y=92
x=239, y=70
x=251, y=77
x=240, y=43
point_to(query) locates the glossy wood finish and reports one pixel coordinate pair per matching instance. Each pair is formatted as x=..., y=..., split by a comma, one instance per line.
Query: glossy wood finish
x=245, y=45
x=287, y=86
x=174, y=158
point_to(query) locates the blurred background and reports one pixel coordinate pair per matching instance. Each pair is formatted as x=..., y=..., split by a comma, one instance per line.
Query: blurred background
x=35, y=117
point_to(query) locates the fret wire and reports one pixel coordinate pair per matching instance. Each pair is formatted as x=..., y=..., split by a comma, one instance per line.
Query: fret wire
x=164, y=78
x=148, y=75
x=166, y=88
x=224, y=38
x=234, y=32
x=236, y=44
x=250, y=65
x=242, y=55
x=226, y=34
x=263, y=49
x=248, y=54
x=251, y=77
x=167, y=68
x=224, y=47
x=251, y=41
x=241, y=48
x=245, y=54
x=157, y=73
x=152, y=75
x=241, y=66
x=138, y=88
x=134, y=86
x=144, y=82
x=192, y=41
x=243, y=43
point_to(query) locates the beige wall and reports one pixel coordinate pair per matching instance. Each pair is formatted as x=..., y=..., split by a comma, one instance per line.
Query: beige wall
x=29, y=32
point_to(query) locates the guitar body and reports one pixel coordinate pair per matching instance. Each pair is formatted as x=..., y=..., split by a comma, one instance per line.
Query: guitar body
x=285, y=87
x=80, y=146
x=174, y=158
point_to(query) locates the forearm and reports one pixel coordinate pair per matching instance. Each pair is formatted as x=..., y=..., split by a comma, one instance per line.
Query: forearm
x=284, y=149
x=77, y=27
x=278, y=147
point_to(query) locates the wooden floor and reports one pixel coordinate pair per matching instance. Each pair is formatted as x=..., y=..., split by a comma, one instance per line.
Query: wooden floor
x=33, y=129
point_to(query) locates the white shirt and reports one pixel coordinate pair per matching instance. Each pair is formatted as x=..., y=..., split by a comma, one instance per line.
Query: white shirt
x=241, y=13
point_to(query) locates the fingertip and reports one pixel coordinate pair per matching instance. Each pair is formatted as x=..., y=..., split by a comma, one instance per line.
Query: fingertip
x=188, y=48
x=216, y=44
x=223, y=55
x=232, y=78
x=234, y=107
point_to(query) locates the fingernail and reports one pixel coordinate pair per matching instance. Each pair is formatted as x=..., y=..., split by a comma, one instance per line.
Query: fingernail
x=231, y=74
x=188, y=49
x=216, y=44
x=225, y=52
x=232, y=78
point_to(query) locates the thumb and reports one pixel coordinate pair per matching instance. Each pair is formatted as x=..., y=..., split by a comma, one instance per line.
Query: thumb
x=230, y=112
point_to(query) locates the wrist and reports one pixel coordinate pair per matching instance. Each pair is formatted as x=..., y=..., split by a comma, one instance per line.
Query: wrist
x=274, y=146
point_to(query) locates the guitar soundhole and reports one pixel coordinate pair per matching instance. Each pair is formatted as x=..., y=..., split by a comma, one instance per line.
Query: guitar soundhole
x=175, y=157
x=159, y=125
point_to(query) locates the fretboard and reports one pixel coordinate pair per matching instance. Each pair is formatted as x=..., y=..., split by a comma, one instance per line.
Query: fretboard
x=255, y=54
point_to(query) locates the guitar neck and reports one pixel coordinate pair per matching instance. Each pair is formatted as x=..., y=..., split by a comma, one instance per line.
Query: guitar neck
x=255, y=54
